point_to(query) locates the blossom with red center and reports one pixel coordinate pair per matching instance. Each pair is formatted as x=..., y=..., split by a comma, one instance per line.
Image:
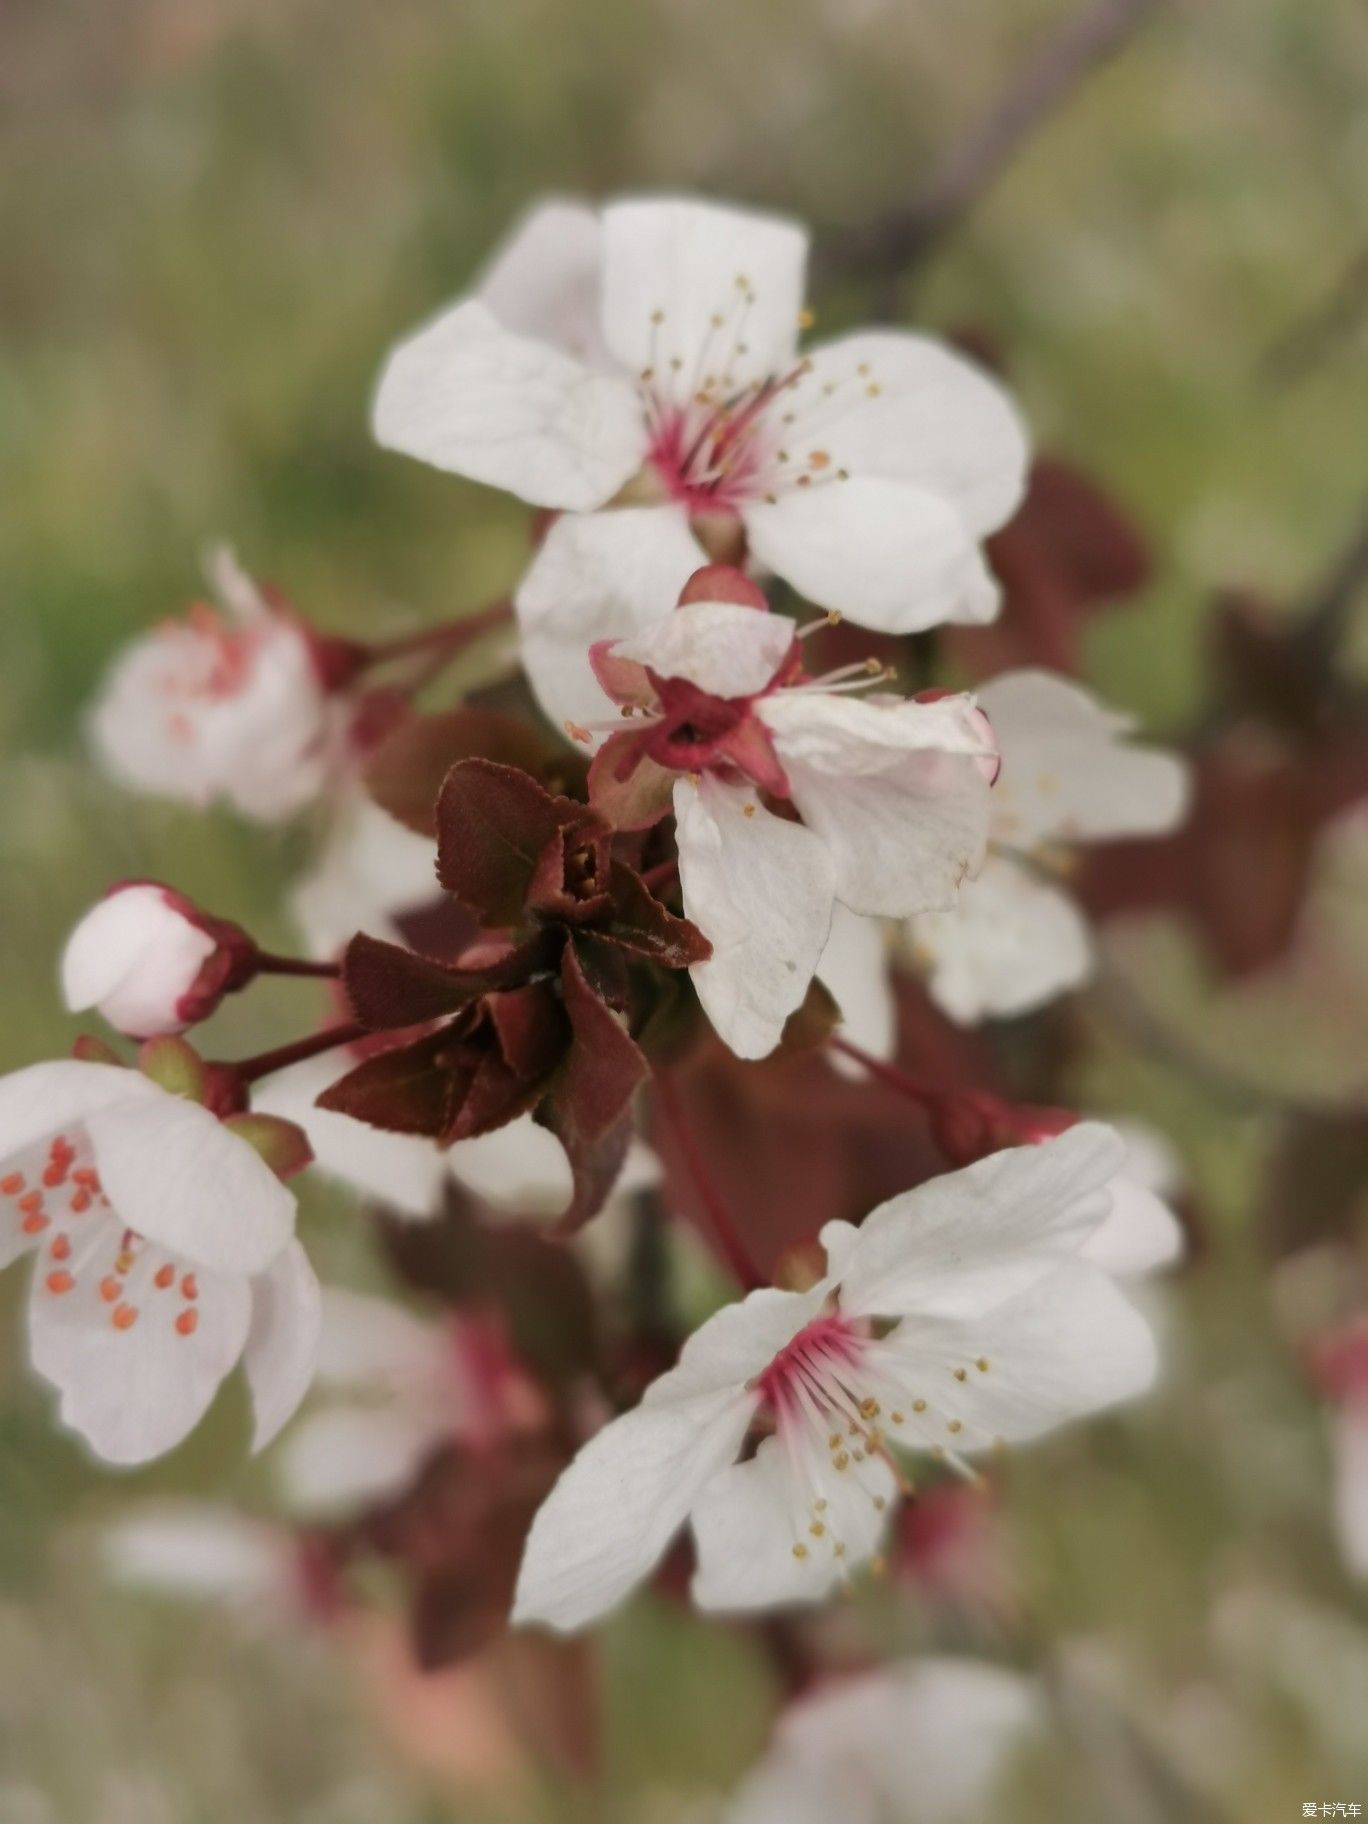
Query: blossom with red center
x=163, y=1254
x=638, y=368
x=792, y=795
x=958, y=1317
x=227, y=705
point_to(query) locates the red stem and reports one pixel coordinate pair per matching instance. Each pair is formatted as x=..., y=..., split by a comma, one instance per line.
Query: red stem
x=733, y=1248
x=267, y=963
x=659, y=875
x=887, y=1074
x=448, y=638
x=250, y=1070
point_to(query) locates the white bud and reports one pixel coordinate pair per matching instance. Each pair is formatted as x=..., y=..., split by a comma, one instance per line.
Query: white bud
x=138, y=956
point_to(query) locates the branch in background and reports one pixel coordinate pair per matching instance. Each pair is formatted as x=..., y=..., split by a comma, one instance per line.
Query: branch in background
x=1324, y=619
x=894, y=243
x=1301, y=348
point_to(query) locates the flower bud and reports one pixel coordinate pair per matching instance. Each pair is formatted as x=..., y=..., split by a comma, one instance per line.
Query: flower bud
x=722, y=583
x=151, y=962
x=968, y=1126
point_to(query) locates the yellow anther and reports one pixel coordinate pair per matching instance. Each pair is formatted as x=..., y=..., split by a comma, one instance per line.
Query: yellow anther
x=961, y=1374
x=919, y=1405
x=806, y=318
x=954, y=1425
x=982, y=1364
x=800, y=1550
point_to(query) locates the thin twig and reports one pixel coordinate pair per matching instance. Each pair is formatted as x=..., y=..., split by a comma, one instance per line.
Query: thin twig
x=895, y=242
x=734, y=1250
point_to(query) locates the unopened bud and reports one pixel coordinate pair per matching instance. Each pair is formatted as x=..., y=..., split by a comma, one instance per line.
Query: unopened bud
x=722, y=583
x=151, y=962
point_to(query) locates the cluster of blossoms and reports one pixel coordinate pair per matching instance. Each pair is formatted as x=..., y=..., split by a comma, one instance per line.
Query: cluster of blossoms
x=696, y=843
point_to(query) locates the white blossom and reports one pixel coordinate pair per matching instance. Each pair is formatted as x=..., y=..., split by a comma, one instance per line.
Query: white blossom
x=220, y=706
x=163, y=1255
x=638, y=368
x=141, y=957
x=959, y=1316
x=923, y=1742
x=1014, y=938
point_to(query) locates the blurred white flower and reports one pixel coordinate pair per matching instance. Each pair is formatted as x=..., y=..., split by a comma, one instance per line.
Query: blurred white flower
x=200, y=1551
x=924, y=1742
x=957, y=1317
x=164, y=1255
x=149, y=961
x=221, y=706
x=393, y=1388
x=1014, y=940
x=371, y=870
x=645, y=358
x=893, y=795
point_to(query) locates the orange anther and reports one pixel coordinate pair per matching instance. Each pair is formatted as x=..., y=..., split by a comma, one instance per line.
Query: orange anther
x=818, y=459
x=59, y=1281
x=31, y=1202
x=34, y=1224
x=84, y=1175
x=190, y=1286
x=61, y=1247
x=11, y=1184
x=80, y=1203
x=124, y=1317
x=187, y=1323
x=165, y=1276
x=123, y=1261
x=54, y=1174
x=110, y=1289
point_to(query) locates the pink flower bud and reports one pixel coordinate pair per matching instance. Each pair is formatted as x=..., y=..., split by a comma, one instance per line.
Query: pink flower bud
x=722, y=583
x=151, y=962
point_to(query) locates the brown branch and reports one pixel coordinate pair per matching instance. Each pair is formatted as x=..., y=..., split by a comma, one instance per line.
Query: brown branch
x=1324, y=619
x=893, y=243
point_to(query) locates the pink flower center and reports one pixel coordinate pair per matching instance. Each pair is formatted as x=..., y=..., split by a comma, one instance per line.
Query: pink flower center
x=208, y=659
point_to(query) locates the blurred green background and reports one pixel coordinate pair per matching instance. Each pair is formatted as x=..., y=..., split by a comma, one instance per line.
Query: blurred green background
x=216, y=214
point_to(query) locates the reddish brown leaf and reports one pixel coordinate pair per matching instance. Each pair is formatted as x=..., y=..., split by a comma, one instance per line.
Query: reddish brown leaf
x=640, y=923
x=409, y=1090
x=494, y=825
x=390, y=987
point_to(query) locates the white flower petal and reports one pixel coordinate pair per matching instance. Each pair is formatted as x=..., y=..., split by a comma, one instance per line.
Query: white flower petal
x=345, y=1458
x=738, y=1342
x=724, y=648
x=39, y=1101
x=1351, y=1486
x=1068, y=1345
x=694, y=291
x=600, y=576
x=903, y=407
x=467, y=395
x=519, y=1168
x=618, y=1505
x=760, y=889
x=965, y=1242
x=544, y=280
x=885, y=553
x=1010, y=943
x=896, y=791
x=403, y=1171
x=854, y=967
x=174, y=1173
x=1067, y=770
x=749, y=1519
x=282, y=1343
x=134, y=1393
x=1140, y=1235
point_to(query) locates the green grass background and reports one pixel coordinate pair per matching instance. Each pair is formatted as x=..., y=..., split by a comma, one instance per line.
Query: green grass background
x=215, y=216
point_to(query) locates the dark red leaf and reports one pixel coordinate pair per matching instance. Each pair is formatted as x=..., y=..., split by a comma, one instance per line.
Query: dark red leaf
x=640, y=923
x=494, y=825
x=406, y=773
x=409, y=1090
x=389, y=987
